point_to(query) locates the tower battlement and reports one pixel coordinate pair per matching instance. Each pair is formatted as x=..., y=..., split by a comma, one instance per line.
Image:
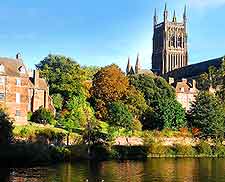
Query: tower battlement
x=169, y=43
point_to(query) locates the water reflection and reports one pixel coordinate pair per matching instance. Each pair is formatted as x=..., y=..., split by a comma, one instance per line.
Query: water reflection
x=159, y=170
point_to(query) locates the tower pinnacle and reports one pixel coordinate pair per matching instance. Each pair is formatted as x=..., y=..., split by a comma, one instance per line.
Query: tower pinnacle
x=165, y=13
x=138, y=65
x=155, y=18
x=174, y=16
x=128, y=66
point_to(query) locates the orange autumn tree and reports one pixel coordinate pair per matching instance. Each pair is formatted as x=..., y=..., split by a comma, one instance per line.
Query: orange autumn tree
x=109, y=85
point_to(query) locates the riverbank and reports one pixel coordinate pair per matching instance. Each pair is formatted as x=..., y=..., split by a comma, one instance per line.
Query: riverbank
x=39, y=154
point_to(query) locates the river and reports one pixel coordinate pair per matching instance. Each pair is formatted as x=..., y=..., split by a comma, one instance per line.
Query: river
x=156, y=170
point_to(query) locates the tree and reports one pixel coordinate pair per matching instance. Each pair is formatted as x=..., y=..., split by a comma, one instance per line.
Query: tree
x=64, y=75
x=43, y=116
x=154, y=88
x=75, y=113
x=109, y=85
x=57, y=101
x=164, y=110
x=169, y=114
x=207, y=113
x=135, y=102
x=119, y=115
x=6, y=128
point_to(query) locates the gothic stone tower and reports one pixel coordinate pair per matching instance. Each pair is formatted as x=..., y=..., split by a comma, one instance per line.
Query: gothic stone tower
x=169, y=44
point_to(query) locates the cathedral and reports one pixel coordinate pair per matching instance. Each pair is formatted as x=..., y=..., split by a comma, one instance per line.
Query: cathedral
x=169, y=43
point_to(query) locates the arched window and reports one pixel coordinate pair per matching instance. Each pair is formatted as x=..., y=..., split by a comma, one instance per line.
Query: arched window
x=2, y=68
x=179, y=42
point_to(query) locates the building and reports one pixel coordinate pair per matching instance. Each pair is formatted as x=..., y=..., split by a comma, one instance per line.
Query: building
x=138, y=70
x=21, y=91
x=169, y=44
x=185, y=92
x=193, y=71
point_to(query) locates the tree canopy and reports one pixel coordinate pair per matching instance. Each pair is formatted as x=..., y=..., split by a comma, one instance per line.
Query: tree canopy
x=208, y=114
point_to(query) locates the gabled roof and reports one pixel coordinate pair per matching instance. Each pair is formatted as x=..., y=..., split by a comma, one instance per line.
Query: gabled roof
x=12, y=67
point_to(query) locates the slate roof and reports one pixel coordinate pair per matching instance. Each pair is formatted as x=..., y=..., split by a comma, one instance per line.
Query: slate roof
x=194, y=70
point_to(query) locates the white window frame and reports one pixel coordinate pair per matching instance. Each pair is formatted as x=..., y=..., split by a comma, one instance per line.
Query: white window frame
x=18, y=99
x=18, y=82
x=3, y=80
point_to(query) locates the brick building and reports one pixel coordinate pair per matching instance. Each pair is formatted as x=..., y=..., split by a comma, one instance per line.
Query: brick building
x=21, y=91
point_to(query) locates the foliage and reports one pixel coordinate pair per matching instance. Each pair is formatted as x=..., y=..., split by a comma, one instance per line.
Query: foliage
x=63, y=74
x=204, y=148
x=219, y=150
x=57, y=101
x=213, y=77
x=76, y=113
x=43, y=116
x=184, y=150
x=6, y=128
x=136, y=125
x=208, y=114
x=154, y=88
x=119, y=115
x=135, y=101
x=164, y=111
x=158, y=149
x=109, y=85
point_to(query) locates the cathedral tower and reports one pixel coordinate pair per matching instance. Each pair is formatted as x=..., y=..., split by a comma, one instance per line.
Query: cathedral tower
x=169, y=43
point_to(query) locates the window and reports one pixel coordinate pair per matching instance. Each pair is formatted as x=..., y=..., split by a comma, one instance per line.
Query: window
x=17, y=98
x=18, y=112
x=2, y=68
x=22, y=69
x=1, y=80
x=18, y=82
x=2, y=96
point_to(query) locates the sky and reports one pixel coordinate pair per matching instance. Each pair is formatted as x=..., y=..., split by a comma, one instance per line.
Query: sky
x=102, y=32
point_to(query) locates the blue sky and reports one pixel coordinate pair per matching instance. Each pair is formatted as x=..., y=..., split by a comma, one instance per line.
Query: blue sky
x=101, y=32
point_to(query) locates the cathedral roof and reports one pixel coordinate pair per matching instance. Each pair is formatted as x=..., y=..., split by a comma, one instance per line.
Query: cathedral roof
x=194, y=70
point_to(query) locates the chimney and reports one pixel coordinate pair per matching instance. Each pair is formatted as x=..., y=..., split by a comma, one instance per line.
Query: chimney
x=18, y=56
x=184, y=80
x=194, y=84
x=171, y=80
x=36, y=77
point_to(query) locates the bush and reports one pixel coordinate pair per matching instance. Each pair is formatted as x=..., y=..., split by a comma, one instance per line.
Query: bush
x=159, y=149
x=43, y=116
x=219, y=150
x=148, y=138
x=204, y=149
x=136, y=125
x=6, y=128
x=184, y=150
x=129, y=152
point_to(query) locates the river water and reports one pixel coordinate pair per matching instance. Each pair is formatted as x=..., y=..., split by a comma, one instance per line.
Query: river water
x=156, y=170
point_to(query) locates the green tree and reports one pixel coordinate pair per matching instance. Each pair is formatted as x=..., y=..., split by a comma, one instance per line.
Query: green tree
x=6, y=128
x=119, y=115
x=43, y=116
x=57, y=101
x=75, y=113
x=208, y=114
x=169, y=114
x=164, y=110
x=64, y=75
x=154, y=88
